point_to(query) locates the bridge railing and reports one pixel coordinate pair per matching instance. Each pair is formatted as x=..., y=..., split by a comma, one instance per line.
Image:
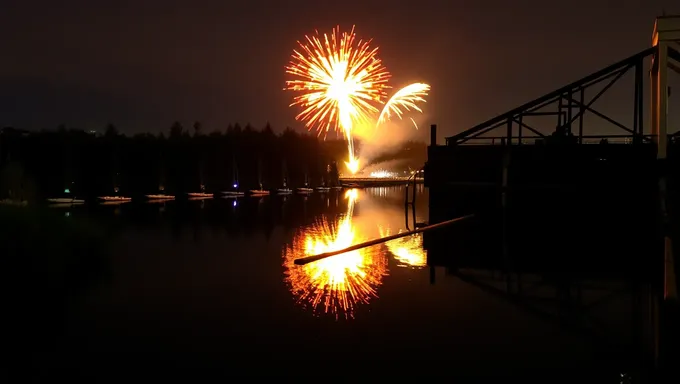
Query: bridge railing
x=533, y=140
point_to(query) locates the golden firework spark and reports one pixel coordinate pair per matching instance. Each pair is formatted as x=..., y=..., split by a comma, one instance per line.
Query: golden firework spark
x=404, y=100
x=342, y=79
x=335, y=285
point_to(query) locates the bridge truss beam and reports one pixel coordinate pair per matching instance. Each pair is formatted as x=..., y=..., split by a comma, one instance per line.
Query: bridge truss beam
x=571, y=107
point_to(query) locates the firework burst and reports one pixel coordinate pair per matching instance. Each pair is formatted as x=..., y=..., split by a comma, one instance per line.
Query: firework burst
x=341, y=80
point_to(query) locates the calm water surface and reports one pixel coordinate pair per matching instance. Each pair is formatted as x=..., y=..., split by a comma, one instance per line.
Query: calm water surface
x=209, y=287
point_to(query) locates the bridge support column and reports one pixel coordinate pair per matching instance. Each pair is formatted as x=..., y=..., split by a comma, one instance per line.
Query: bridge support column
x=659, y=92
x=666, y=37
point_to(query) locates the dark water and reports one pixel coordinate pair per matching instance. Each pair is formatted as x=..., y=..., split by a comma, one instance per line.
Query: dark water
x=207, y=288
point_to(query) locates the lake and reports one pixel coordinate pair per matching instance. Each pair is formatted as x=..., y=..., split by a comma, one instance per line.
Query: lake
x=208, y=288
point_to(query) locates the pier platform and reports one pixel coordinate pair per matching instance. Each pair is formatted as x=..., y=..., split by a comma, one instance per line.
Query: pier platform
x=367, y=182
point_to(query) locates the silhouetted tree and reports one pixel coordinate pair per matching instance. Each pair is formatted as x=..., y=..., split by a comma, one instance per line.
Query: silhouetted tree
x=176, y=130
x=268, y=131
x=111, y=131
x=91, y=165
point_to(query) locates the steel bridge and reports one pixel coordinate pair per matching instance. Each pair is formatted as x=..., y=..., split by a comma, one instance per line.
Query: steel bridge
x=526, y=184
x=569, y=104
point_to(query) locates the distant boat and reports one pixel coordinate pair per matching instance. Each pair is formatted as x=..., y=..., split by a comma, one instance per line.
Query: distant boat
x=200, y=195
x=160, y=197
x=65, y=200
x=305, y=190
x=115, y=199
x=235, y=192
x=69, y=199
x=284, y=190
x=261, y=191
x=323, y=188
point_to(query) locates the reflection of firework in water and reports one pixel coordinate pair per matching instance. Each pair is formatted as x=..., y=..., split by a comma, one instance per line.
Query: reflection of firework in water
x=336, y=284
x=408, y=251
x=341, y=79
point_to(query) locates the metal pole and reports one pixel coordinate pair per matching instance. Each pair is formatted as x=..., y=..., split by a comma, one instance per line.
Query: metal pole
x=310, y=259
x=569, y=110
x=582, y=97
x=637, y=128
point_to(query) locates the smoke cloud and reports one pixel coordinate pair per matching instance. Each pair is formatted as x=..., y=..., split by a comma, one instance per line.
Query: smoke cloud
x=388, y=137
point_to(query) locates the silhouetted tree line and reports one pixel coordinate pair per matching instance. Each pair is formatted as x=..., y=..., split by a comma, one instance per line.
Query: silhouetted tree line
x=45, y=164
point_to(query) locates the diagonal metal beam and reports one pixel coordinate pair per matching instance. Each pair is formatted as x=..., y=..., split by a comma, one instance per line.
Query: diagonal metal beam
x=477, y=134
x=597, y=96
x=674, y=67
x=600, y=79
x=607, y=118
x=523, y=124
x=531, y=110
x=674, y=54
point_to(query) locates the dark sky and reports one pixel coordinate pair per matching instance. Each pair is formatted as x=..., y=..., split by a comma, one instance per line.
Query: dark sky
x=86, y=63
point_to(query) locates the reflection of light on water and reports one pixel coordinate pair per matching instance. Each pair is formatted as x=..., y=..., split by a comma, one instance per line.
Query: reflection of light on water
x=336, y=284
x=379, y=191
x=391, y=192
x=408, y=250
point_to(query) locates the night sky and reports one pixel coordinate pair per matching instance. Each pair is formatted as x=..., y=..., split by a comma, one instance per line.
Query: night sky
x=87, y=63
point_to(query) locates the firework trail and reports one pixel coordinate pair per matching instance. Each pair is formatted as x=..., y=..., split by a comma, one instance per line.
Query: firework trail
x=403, y=100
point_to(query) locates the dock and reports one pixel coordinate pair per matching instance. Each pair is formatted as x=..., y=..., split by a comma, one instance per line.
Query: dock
x=368, y=182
